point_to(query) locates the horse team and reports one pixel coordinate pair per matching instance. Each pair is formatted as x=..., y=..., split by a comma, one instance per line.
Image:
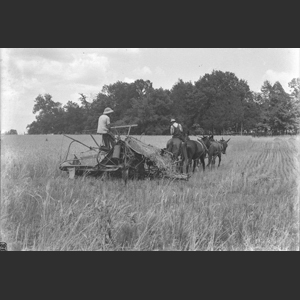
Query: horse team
x=188, y=154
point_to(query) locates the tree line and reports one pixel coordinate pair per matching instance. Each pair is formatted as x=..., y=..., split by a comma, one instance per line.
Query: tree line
x=218, y=103
x=11, y=132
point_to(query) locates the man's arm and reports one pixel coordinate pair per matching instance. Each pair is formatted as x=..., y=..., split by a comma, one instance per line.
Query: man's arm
x=108, y=125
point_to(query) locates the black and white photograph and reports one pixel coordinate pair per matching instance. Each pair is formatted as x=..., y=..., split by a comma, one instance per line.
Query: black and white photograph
x=150, y=149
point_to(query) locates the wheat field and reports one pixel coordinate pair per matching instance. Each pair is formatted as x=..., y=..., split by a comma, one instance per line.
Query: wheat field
x=249, y=203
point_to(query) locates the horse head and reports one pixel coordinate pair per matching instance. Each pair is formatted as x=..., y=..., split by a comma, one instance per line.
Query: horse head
x=224, y=144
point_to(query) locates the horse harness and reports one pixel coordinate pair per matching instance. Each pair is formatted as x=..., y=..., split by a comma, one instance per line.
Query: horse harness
x=203, y=144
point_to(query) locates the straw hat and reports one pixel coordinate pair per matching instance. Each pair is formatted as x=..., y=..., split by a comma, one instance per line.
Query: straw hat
x=172, y=120
x=107, y=110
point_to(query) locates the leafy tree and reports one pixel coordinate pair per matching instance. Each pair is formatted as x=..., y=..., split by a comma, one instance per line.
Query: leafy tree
x=11, y=131
x=152, y=112
x=73, y=118
x=184, y=104
x=221, y=99
x=295, y=98
x=278, y=107
x=295, y=86
x=48, y=115
x=119, y=95
x=252, y=115
x=218, y=102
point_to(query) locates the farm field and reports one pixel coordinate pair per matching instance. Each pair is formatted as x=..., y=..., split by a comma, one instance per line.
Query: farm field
x=249, y=203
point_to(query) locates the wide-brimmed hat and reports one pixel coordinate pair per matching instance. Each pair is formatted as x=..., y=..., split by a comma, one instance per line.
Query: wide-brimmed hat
x=107, y=110
x=173, y=120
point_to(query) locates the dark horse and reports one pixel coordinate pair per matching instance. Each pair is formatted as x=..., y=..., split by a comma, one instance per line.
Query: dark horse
x=225, y=145
x=196, y=151
x=178, y=149
x=215, y=148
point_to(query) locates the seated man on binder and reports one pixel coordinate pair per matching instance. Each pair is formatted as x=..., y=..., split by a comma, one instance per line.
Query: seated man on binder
x=104, y=129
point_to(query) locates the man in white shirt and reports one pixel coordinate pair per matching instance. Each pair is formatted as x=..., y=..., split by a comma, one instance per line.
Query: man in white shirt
x=176, y=130
x=104, y=129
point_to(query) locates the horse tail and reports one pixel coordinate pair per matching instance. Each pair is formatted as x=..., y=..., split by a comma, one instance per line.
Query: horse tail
x=169, y=146
x=211, y=154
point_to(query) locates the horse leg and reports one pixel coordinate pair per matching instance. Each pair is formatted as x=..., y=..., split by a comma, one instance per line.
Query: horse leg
x=190, y=164
x=219, y=160
x=177, y=164
x=185, y=157
x=209, y=161
x=203, y=163
x=212, y=162
x=198, y=163
x=194, y=165
x=185, y=166
x=182, y=166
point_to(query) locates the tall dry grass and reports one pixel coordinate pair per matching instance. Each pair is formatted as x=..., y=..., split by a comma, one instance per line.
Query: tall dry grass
x=249, y=203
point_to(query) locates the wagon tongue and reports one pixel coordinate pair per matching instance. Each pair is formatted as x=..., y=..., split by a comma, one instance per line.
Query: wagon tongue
x=178, y=176
x=65, y=165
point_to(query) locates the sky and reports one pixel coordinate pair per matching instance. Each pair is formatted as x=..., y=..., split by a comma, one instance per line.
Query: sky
x=64, y=73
